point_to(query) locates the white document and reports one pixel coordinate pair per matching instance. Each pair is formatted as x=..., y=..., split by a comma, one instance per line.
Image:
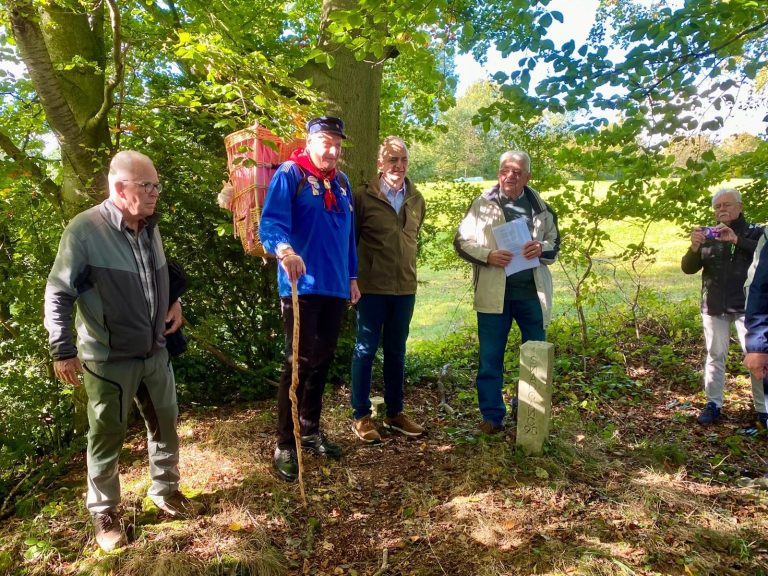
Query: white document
x=511, y=236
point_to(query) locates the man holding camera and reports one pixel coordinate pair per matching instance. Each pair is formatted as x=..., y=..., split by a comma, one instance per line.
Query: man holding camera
x=724, y=254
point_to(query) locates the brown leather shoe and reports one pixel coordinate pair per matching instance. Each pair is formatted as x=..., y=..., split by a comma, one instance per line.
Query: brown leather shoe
x=365, y=429
x=177, y=505
x=488, y=427
x=404, y=425
x=109, y=532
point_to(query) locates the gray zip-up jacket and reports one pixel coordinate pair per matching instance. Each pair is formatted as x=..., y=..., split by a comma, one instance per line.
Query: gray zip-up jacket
x=96, y=267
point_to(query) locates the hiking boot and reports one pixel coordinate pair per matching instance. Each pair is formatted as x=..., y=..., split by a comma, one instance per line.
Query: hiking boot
x=177, y=505
x=710, y=414
x=488, y=427
x=109, y=532
x=320, y=445
x=404, y=425
x=285, y=464
x=761, y=420
x=365, y=429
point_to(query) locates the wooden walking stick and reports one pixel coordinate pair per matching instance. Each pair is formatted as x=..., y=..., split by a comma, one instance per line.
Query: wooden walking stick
x=294, y=386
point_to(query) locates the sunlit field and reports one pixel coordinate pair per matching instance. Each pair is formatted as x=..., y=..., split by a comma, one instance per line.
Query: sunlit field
x=444, y=300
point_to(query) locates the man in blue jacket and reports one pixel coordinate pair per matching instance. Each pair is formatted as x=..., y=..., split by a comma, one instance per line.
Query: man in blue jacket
x=111, y=262
x=756, y=318
x=307, y=222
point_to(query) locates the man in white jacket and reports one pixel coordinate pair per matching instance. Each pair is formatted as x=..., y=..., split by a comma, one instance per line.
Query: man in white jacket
x=525, y=296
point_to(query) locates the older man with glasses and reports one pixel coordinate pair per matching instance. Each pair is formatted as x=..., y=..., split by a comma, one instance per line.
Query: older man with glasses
x=524, y=296
x=111, y=262
x=724, y=254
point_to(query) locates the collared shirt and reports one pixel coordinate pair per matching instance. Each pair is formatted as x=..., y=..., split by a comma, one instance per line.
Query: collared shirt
x=395, y=197
x=141, y=246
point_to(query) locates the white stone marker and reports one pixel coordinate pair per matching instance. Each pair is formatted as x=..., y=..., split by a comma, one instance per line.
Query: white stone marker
x=534, y=394
x=378, y=408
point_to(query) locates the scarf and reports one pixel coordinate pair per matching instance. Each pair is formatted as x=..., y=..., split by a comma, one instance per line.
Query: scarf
x=305, y=162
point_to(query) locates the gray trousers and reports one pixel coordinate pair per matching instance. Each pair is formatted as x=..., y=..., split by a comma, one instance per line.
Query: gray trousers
x=717, y=336
x=111, y=387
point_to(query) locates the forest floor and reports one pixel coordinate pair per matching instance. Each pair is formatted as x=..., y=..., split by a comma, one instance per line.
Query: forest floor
x=634, y=488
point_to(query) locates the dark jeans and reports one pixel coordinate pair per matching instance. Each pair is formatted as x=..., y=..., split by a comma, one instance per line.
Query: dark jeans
x=320, y=320
x=492, y=333
x=377, y=313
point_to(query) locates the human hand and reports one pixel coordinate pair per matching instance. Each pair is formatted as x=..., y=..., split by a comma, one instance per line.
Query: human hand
x=499, y=258
x=68, y=370
x=226, y=195
x=757, y=363
x=726, y=234
x=293, y=265
x=175, y=317
x=532, y=249
x=697, y=239
x=354, y=292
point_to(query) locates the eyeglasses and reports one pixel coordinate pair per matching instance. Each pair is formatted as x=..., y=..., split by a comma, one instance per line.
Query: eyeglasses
x=148, y=186
x=724, y=205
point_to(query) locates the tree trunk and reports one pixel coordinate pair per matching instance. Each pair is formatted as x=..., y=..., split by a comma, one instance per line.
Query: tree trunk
x=353, y=91
x=64, y=54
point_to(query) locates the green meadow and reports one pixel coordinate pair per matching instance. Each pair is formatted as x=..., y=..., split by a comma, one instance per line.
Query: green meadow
x=444, y=300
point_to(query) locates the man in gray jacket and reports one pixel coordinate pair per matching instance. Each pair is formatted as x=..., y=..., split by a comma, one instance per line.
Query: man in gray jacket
x=111, y=262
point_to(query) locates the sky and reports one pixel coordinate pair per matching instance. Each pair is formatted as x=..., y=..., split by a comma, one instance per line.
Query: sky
x=578, y=18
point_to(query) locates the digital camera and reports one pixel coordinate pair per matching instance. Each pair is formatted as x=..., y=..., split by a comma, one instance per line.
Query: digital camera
x=711, y=232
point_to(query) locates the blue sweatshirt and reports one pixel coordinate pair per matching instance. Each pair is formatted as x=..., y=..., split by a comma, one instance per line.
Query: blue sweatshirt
x=756, y=313
x=325, y=239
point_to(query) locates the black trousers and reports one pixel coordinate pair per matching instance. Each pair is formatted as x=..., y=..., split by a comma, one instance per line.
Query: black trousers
x=320, y=321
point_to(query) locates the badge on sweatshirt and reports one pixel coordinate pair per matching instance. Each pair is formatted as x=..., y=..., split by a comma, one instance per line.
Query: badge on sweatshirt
x=315, y=185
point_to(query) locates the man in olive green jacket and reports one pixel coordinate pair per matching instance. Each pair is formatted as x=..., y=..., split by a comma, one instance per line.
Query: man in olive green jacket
x=389, y=213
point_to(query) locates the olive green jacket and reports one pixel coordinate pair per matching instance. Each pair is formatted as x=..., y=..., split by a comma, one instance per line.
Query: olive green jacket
x=387, y=240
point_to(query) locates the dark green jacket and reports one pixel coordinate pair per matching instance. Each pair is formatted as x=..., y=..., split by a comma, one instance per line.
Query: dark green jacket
x=386, y=240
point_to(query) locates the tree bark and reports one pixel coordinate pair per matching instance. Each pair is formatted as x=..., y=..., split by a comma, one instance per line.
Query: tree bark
x=353, y=92
x=64, y=54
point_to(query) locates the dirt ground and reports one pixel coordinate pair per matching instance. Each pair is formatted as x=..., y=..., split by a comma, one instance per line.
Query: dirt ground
x=635, y=487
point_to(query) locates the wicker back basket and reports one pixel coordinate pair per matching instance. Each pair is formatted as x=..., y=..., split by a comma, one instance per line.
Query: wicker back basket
x=253, y=156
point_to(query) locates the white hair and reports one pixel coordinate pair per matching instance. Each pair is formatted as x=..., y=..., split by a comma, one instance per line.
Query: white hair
x=723, y=191
x=390, y=142
x=516, y=155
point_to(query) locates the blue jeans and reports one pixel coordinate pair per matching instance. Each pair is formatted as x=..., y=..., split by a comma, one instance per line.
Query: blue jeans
x=492, y=334
x=377, y=313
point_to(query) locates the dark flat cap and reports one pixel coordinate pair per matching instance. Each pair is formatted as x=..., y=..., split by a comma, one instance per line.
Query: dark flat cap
x=326, y=124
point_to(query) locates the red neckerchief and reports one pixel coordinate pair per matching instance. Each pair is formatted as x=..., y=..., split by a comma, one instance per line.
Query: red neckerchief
x=305, y=162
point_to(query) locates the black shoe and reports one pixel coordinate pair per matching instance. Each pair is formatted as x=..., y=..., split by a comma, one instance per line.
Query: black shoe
x=285, y=464
x=710, y=414
x=320, y=445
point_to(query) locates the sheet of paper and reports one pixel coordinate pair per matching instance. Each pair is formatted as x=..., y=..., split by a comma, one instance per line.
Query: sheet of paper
x=511, y=236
